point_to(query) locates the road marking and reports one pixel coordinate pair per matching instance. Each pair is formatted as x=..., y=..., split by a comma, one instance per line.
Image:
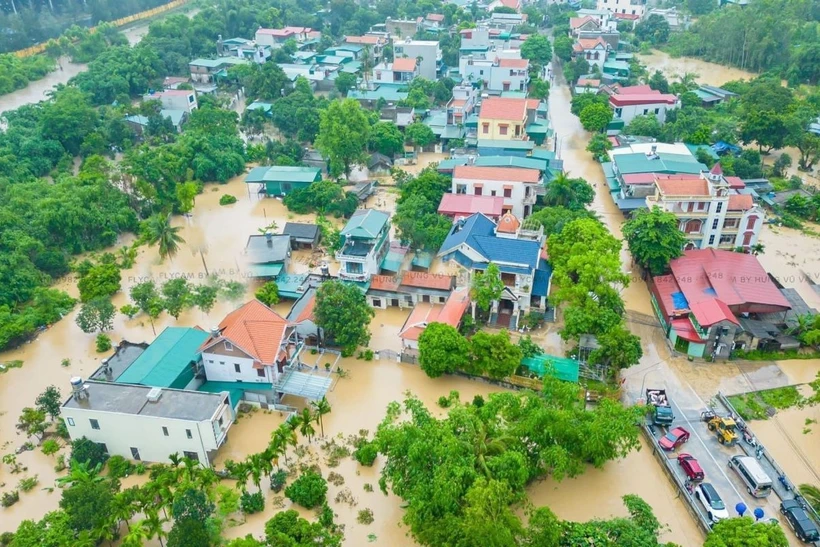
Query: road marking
x=694, y=432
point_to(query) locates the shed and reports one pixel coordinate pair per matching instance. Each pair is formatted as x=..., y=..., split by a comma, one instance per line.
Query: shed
x=379, y=164
x=302, y=235
x=170, y=360
x=280, y=180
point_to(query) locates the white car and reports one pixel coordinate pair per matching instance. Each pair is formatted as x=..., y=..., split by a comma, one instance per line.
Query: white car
x=709, y=498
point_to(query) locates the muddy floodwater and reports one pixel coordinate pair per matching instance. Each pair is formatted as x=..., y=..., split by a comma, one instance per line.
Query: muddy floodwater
x=707, y=73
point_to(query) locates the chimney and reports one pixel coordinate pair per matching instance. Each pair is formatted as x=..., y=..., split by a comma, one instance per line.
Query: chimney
x=269, y=238
x=78, y=388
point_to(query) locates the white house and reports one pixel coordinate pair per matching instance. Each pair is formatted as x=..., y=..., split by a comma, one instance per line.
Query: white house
x=400, y=71
x=519, y=187
x=149, y=424
x=427, y=52
x=462, y=104
x=175, y=99
x=626, y=7
x=711, y=210
x=593, y=50
x=365, y=242
x=497, y=74
x=641, y=100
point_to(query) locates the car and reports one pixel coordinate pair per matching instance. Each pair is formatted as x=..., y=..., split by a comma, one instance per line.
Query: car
x=706, y=494
x=676, y=437
x=804, y=528
x=690, y=466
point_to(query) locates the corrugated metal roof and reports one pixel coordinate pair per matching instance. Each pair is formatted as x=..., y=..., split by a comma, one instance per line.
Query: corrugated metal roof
x=365, y=224
x=167, y=359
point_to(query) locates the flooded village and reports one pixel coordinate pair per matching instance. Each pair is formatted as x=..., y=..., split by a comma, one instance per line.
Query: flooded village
x=489, y=136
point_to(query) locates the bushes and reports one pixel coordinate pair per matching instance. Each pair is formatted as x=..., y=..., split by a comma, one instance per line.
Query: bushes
x=252, y=503
x=118, y=467
x=227, y=199
x=309, y=490
x=103, y=343
x=366, y=453
x=86, y=450
x=277, y=481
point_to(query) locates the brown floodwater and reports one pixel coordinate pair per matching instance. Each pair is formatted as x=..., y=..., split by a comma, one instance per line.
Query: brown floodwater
x=794, y=259
x=793, y=442
x=707, y=73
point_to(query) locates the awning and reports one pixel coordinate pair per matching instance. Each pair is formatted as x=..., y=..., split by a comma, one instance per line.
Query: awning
x=266, y=270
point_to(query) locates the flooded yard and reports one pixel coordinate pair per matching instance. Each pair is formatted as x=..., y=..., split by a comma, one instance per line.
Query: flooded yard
x=707, y=73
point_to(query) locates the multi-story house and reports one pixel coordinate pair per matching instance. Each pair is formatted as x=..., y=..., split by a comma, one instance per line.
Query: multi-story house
x=374, y=45
x=624, y=7
x=641, y=100
x=462, y=104
x=594, y=50
x=710, y=212
x=365, y=242
x=475, y=242
x=519, y=187
x=505, y=118
x=426, y=52
x=175, y=99
x=147, y=423
x=400, y=71
x=250, y=349
x=207, y=71
x=497, y=74
x=403, y=28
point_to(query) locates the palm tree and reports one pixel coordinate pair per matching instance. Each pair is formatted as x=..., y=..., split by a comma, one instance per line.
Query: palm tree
x=812, y=495
x=153, y=525
x=81, y=473
x=136, y=536
x=283, y=436
x=240, y=470
x=758, y=249
x=688, y=80
x=124, y=506
x=485, y=446
x=560, y=192
x=158, y=229
x=305, y=420
x=276, y=448
x=322, y=407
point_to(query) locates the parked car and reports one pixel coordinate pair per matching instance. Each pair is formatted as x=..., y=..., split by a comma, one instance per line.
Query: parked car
x=676, y=437
x=710, y=499
x=690, y=466
x=804, y=528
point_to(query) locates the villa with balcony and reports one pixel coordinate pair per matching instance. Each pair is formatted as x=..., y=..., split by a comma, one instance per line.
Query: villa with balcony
x=712, y=210
x=365, y=242
x=400, y=71
x=518, y=187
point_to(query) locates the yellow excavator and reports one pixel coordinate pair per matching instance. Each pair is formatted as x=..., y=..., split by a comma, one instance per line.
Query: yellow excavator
x=725, y=428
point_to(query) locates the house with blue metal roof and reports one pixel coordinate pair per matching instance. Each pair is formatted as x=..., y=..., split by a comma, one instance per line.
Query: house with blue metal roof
x=169, y=362
x=516, y=248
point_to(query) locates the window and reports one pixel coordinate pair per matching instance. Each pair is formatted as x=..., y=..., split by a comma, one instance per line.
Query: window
x=502, y=129
x=461, y=188
x=492, y=193
x=618, y=112
x=719, y=207
x=190, y=98
x=485, y=128
x=70, y=421
x=377, y=303
x=188, y=434
x=750, y=225
x=165, y=431
x=645, y=111
x=135, y=453
x=701, y=206
x=191, y=455
x=222, y=362
x=715, y=223
x=94, y=424
x=237, y=367
x=220, y=420
x=507, y=192
x=228, y=346
x=711, y=240
x=210, y=361
x=657, y=111
x=260, y=372
x=481, y=73
x=478, y=190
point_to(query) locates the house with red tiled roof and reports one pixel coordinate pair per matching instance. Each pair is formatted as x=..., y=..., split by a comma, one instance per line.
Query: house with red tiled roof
x=458, y=206
x=517, y=186
x=400, y=71
x=641, y=100
x=512, y=4
x=408, y=288
x=252, y=345
x=502, y=118
x=449, y=313
x=703, y=303
x=583, y=24
x=594, y=50
x=710, y=212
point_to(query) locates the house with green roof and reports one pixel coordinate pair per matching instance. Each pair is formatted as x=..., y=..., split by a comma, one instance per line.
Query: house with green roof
x=364, y=244
x=208, y=71
x=279, y=180
x=169, y=362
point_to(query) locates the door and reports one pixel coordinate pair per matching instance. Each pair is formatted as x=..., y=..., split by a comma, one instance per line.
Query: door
x=394, y=302
x=135, y=453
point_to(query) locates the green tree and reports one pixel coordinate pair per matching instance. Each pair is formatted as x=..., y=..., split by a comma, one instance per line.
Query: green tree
x=740, y=531
x=419, y=225
x=494, y=354
x=595, y=117
x=811, y=493
x=188, y=532
x=343, y=135
x=288, y=528
x=419, y=134
x=574, y=194
x=321, y=407
x=263, y=82
x=487, y=287
x=86, y=451
x=32, y=422
x=537, y=49
x=96, y=315
x=544, y=528
x=268, y=293
x=598, y=146
x=563, y=47
x=487, y=514
x=345, y=82
x=304, y=422
x=50, y=401
x=68, y=119
x=386, y=139
x=176, y=296
x=88, y=504
x=204, y=296
x=342, y=311
x=619, y=348
x=654, y=238
x=100, y=280
x=654, y=29
x=645, y=126
x=539, y=89
x=158, y=230
x=658, y=82
x=308, y=490
x=553, y=219
x=442, y=350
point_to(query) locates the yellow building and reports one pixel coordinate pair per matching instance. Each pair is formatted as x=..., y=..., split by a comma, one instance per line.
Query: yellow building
x=504, y=118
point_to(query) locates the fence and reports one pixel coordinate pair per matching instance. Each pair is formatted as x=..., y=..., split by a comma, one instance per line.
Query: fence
x=147, y=14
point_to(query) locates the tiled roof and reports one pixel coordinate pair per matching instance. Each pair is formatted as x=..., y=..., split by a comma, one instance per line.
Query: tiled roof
x=586, y=82
x=435, y=17
x=639, y=178
x=388, y=283
x=513, y=63
x=508, y=224
x=576, y=22
x=589, y=43
x=455, y=307
x=255, y=329
x=497, y=108
x=424, y=280
x=635, y=90
x=514, y=4
x=478, y=232
x=307, y=311
x=506, y=174
x=735, y=182
x=372, y=40
x=299, y=230
x=404, y=64
x=716, y=169
x=467, y=204
x=642, y=98
x=740, y=202
x=683, y=187
x=423, y=314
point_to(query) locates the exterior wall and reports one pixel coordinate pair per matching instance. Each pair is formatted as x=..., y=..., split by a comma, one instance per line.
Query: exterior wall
x=522, y=195
x=628, y=113
x=370, y=264
x=629, y=7
x=428, y=51
x=201, y=75
x=121, y=432
x=494, y=129
x=494, y=76
x=220, y=366
x=589, y=55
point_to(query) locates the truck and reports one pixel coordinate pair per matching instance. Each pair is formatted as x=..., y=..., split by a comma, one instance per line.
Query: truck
x=660, y=410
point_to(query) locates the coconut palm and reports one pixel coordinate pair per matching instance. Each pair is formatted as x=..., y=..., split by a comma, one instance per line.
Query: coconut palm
x=259, y=464
x=158, y=230
x=137, y=536
x=560, y=192
x=485, y=446
x=321, y=407
x=283, y=436
x=124, y=506
x=276, y=449
x=812, y=495
x=305, y=420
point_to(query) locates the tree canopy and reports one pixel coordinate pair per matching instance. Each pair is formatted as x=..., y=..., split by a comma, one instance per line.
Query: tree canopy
x=342, y=311
x=343, y=135
x=654, y=238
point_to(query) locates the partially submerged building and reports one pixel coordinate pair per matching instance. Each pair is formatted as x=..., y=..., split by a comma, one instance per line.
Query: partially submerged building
x=365, y=241
x=277, y=180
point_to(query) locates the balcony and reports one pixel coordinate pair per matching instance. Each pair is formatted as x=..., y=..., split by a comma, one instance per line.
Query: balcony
x=361, y=277
x=355, y=251
x=685, y=212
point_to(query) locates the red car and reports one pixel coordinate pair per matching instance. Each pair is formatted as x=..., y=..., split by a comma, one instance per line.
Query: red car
x=674, y=438
x=690, y=466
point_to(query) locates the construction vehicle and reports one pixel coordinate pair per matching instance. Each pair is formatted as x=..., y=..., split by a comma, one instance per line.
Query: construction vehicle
x=661, y=410
x=725, y=428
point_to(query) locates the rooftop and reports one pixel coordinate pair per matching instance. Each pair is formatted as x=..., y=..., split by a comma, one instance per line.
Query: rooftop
x=255, y=329
x=513, y=63
x=298, y=230
x=302, y=309
x=365, y=224
x=133, y=399
x=279, y=173
x=467, y=204
x=497, y=108
x=166, y=359
x=640, y=94
x=424, y=313
x=478, y=232
x=659, y=163
x=264, y=249
x=683, y=187
x=505, y=174
x=424, y=280
x=508, y=224
x=404, y=64
x=505, y=144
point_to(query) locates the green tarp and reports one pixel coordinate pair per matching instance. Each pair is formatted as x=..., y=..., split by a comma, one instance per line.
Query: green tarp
x=559, y=367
